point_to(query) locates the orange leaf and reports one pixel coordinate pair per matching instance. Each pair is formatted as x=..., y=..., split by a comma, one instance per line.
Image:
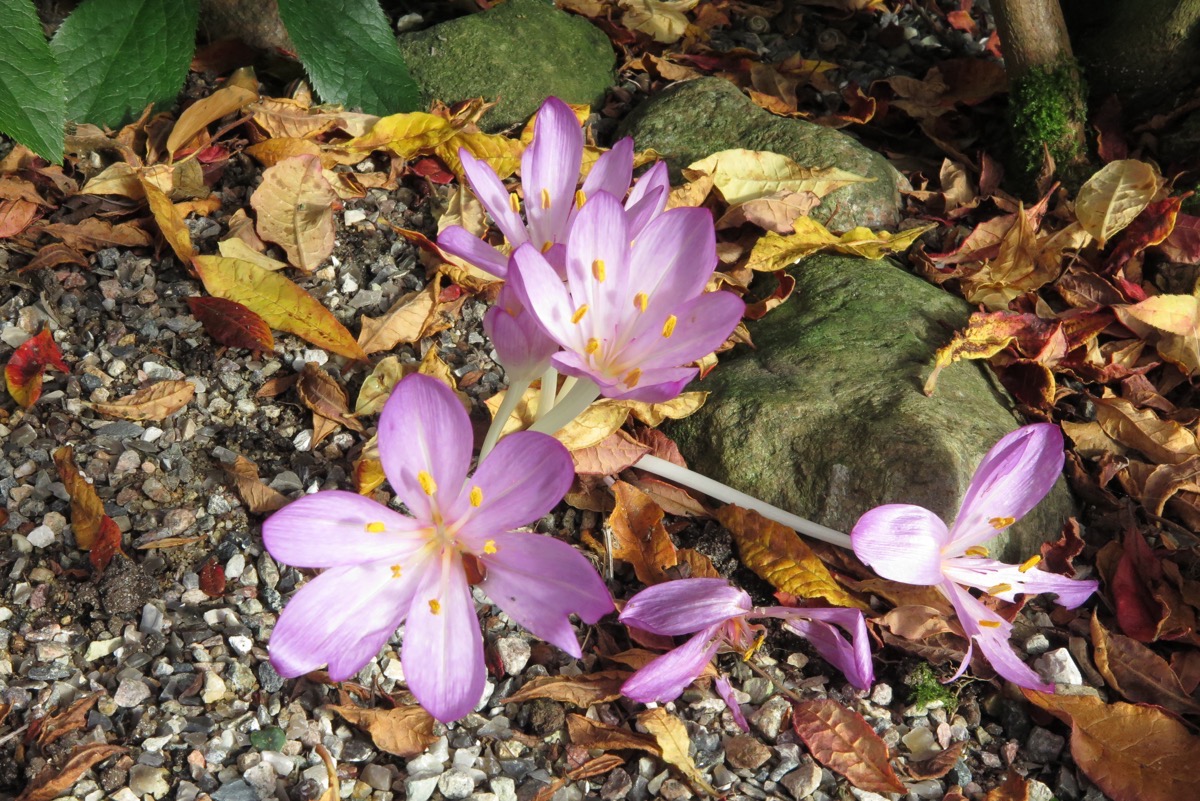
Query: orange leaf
x=257, y=496
x=639, y=537
x=1014, y=789
x=170, y=222
x=404, y=731
x=51, y=783
x=232, y=324
x=616, y=452
x=586, y=690
x=25, y=368
x=1132, y=753
x=405, y=322
x=155, y=402
x=87, y=510
x=1138, y=673
x=845, y=743
x=282, y=304
x=106, y=545
x=202, y=113
x=294, y=203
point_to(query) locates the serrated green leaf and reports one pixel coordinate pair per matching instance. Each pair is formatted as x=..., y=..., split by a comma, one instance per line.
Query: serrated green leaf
x=32, y=102
x=355, y=61
x=118, y=56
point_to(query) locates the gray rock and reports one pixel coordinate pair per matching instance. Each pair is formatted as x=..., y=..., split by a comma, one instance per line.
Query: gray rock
x=1057, y=667
x=827, y=418
x=519, y=53
x=803, y=780
x=514, y=654
x=131, y=693
x=456, y=784
x=237, y=790
x=768, y=720
x=696, y=119
x=1044, y=745
x=376, y=776
x=145, y=780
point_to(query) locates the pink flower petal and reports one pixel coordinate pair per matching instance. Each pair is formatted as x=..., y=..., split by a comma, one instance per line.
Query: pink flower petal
x=1009, y=581
x=539, y=582
x=653, y=386
x=424, y=428
x=664, y=678
x=852, y=657
x=646, y=209
x=520, y=341
x=901, y=542
x=494, y=197
x=458, y=241
x=330, y=529
x=598, y=267
x=993, y=639
x=612, y=172
x=673, y=258
x=522, y=479
x=541, y=290
x=341, y=618
x=654, y=183
x=443, y=648
x=550, y=171
x=685, y=605
x=700, y=326
x=1013, y=478
x=725, y=690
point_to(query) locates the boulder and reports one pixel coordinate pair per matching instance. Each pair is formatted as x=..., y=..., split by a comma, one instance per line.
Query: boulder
x=827, y=418
x=695, y=119
x=517, y=53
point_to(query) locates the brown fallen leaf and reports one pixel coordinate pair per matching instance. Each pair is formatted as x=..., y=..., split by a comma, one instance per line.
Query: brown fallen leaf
x=334, y=793
x=583, y=691
x=1138, y=673
x=404, y=731
x=94, y=530
x=841, y=740
x=170, y=222
x=52, y=783
x=405, y=322
x=155, y=402
x=1131, y=752
x=673, y=743
x=93, y=233
x=73, y=718
x=294, y=204
x=638, y=535
x=587, y=733
x=198, y=116
x=324, y=396
x=777, y=553
x=937, y=766
x=1015, y=788
x=231, y=324
x=257, y=496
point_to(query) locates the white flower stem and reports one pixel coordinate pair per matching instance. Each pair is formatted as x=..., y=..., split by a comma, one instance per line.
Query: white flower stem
x=727, y=494
x=567, y=384
x=512, y=396
x=568, y=407
x=548, y=393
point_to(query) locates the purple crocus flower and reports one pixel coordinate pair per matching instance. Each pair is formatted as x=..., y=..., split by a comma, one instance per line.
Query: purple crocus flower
x=632, y=313
x=911, y=544
x=384, y=568
x=549, y=174
x=720, y=616
x=521, y=343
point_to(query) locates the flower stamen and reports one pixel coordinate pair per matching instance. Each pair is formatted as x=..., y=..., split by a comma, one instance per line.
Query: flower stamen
x=1001, y=523
x=598, y=270
x=376, y=527
x=592, y=346
x=640, y=301
x=489, y=547
x=990, y=624
x=999, y=588
x=580, y=198
x=547, y=245
x=514, y=202
x=632, y=377
x=758, y=642
x=545, y=198
x=427, y=483
x=578, y=315
x=476, y=497
x=1030, y=564
x=669, y=326
x=976, y=550
x=395, y=571
x=435, y=607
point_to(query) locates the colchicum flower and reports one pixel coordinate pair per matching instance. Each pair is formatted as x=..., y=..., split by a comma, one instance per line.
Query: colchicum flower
x=549, y=174
x=633, y=311
x=911, y=544
x=521, y=343
x=384, y=569
x=720, y=615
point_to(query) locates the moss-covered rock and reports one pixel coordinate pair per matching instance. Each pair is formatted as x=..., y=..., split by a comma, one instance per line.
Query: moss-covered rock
x=518, y=53
x=1049, y=112
x=827, y=419
x=698, y=118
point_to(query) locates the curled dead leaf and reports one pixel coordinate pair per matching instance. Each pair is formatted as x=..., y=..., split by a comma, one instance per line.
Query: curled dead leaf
x=154, y=402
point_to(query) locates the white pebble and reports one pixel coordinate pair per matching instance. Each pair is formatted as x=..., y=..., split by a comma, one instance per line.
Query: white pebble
x=41, y=536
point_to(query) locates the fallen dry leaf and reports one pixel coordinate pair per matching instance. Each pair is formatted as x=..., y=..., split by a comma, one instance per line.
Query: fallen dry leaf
x=231, y=324
x=1015, y=788
x=170, y=222
x=282, y=304
x=1114, y=196
x=1131, y=752
x=404, y=323
x=237, y=248
x=198, y=116
x=583, y=691
x=841, y=740
x=777, y=553
x=744, y=175
x=294, y=204
x=258, y=497
x=73, y=718
x=674, y=744
x=92, y=234
x=94, y=531
x=1138, y=673
x=587, y=733
x=616, y=452
x=638, y=535
x=324, y=396
x=157, y=401
x=404, y=731
x=1171, y=323
x=775, y=251
x=28, y=364
x=52, y=783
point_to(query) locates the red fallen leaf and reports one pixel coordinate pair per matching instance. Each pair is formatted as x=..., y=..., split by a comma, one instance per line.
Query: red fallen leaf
x=841, y=740
x=783, y=291
x=1149, y=228
x=1110, y=143
x=432, y=169
x=95, y=531
x=450, y=293
x=232, y=324
x=1183, y=245
x=212, y=578
x=106, y=545
x=15, y=216
x=1138, y=611
x=24, y=371
x=1057, y=556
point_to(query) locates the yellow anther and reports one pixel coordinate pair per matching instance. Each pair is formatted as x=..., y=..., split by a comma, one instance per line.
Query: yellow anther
x=435, y=606
x=749, y=652
x=1030, y=564
x=640, y=300
x=990, y=624
x=376, y=528
x=976, y=550
x=999, y=588
x=489, y=547
x=395, y=571
x=598, y=270
x=476, y=497
x=547, y=245
x=427, y=482
x=514, y=203
x=592, y=346
x=580, y=198
x=578, y=315
x=545, y=198
x=669, y=326
x=1000, y=523
x=634, y=376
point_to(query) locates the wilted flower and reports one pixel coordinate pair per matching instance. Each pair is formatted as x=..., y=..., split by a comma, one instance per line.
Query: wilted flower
x=632, y=313
x=384, y=568
x=549, y=174
x=907, y=543
x=720, y=614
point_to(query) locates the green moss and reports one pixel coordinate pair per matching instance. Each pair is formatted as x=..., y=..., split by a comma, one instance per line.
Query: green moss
x=926, y=688
x=1048, y=108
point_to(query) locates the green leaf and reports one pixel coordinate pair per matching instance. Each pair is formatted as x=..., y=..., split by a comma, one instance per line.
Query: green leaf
x=118, y=56
x=350, y=53
x=32, y=104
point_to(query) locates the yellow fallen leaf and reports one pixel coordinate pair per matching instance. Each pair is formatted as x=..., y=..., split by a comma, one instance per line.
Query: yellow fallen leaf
x=662, y=21
x=674, y=743
x=170, y=222
x=283, y=305
x=120, y=178
x=499, y=152
x=155, y=402
x=294, y=204
x=272, y=151
x=744, y=175
x=679, y=407
x=199, y=115
x=403, y=323
x=235, y=248
x=776, y=251
x=1114, y=196
x=404, y=135
x=1172, y=323
x=378, y=386
x=404, y=731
